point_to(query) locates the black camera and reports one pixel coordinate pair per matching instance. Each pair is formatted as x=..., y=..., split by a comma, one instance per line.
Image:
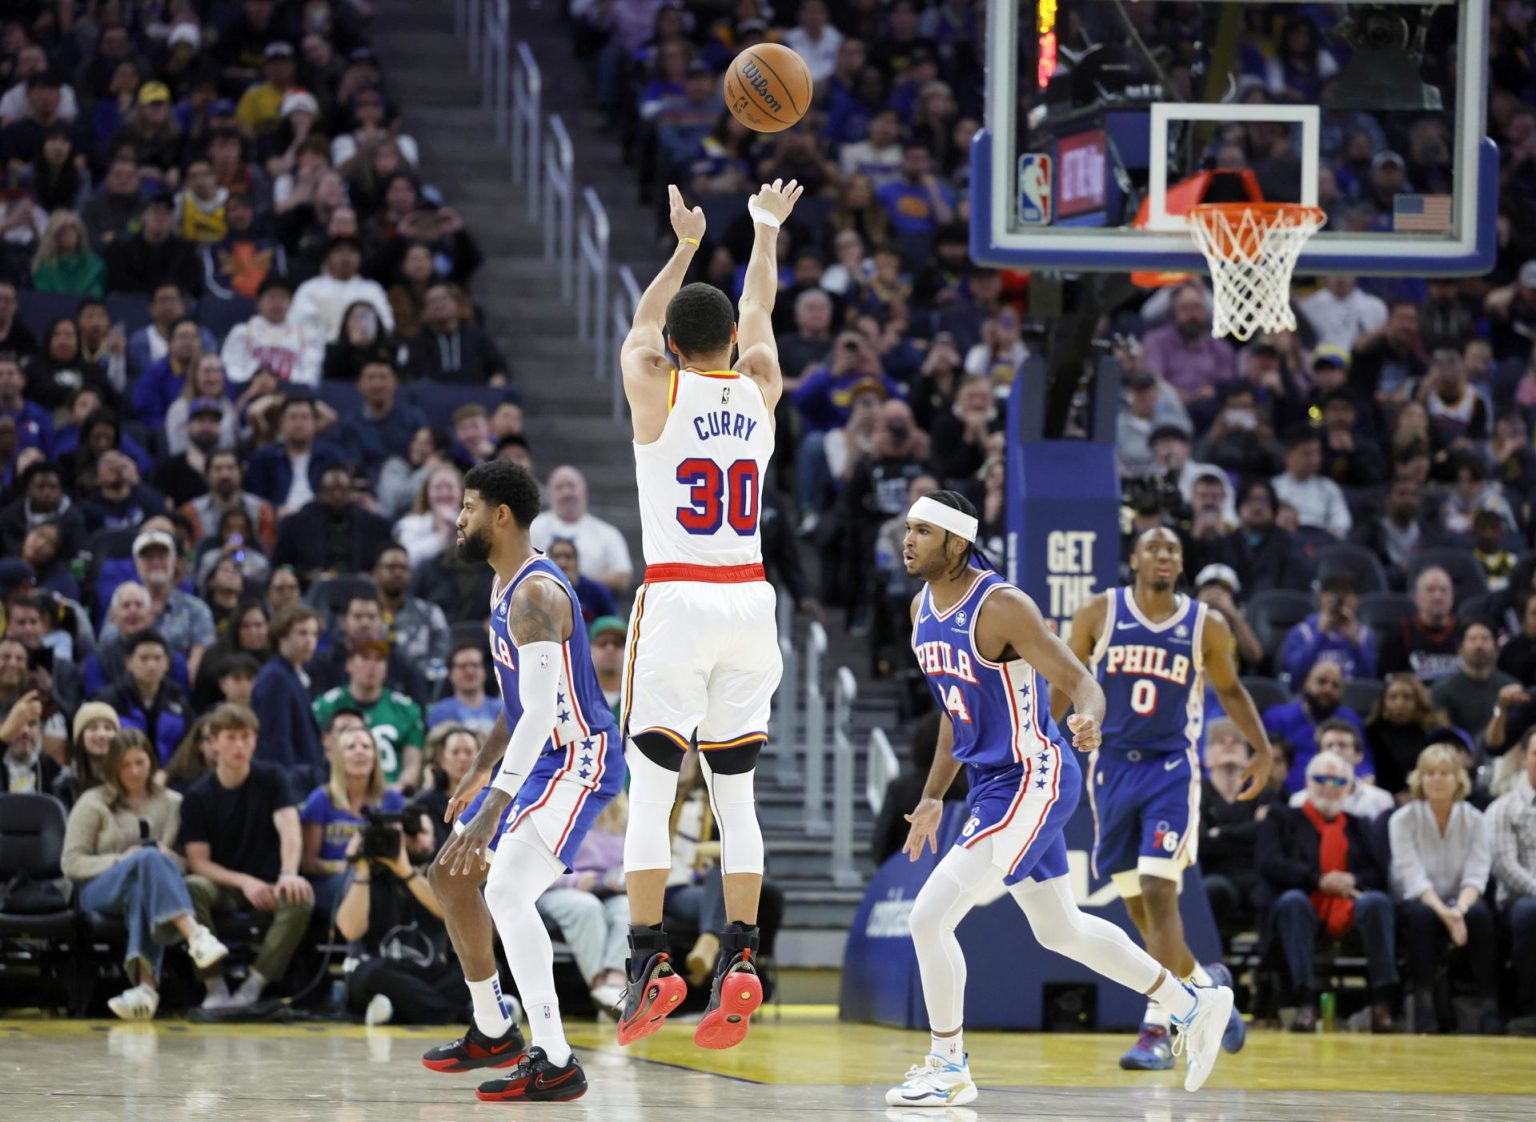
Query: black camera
x=382, y=835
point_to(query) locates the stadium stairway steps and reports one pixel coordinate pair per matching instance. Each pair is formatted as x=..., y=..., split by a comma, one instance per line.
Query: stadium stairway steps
x=568, y=408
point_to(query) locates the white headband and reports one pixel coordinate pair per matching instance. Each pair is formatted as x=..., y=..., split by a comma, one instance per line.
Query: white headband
x=935, y=513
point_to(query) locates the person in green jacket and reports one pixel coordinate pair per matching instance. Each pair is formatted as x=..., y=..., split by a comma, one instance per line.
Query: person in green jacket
x=64, y=262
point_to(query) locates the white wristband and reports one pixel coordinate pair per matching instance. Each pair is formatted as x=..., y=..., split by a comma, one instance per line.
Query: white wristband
x=759, y=214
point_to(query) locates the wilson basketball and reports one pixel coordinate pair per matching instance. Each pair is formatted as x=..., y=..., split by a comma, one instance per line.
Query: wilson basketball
x=768, y=88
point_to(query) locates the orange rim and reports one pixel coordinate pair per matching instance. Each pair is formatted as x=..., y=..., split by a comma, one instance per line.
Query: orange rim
x=1235, y=231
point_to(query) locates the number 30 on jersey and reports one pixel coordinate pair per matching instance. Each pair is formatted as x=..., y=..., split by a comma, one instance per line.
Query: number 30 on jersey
x=730, y=496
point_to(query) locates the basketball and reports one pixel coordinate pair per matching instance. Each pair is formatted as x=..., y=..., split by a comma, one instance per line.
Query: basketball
x=768, y=88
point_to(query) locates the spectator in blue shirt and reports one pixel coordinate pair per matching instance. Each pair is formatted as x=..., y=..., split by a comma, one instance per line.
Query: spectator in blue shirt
x=34, y=424
x=381, y=426
x=289, y=735
x=919, y=203
x=1335, y=632
x=468, y=705
x=825, y=396
x=335, y=812
x=1296, y=722
x=594, y=597
x=162, y=383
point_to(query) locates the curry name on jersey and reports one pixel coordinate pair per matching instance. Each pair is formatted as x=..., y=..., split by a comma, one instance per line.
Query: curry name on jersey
x=700, y=481
x=1152, y=675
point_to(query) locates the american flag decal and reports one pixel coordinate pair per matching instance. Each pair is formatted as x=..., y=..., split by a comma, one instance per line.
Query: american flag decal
x=1421, y=214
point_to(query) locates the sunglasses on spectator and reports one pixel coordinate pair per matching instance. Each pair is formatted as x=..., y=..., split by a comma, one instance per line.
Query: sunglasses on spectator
x=1331, y=780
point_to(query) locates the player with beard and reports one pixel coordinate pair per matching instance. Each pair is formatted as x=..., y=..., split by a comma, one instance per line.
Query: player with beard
x=1151, y=649
x=562, y=765
x=990, y=660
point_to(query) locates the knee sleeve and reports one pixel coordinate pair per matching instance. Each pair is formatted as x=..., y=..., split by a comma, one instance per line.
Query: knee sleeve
x=741, y=838
x=652, y=791
x=735, y=760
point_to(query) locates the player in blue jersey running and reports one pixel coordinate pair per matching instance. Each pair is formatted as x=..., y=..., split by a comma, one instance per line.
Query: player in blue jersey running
x=563, y=763
x=1152, y=650
x=990, y=662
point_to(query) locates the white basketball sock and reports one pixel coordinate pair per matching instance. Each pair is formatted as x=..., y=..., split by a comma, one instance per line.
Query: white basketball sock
x=548, y=1032
x=1200, y=976
x=491, y=1014
x=951, y=1048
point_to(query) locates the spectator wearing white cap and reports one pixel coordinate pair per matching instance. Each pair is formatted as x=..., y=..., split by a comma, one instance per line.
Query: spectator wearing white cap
x=1218, y=586
x=182, y=620
x=261, y=107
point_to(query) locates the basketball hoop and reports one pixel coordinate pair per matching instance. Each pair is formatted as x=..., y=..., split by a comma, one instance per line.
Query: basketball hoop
x=1251, y=249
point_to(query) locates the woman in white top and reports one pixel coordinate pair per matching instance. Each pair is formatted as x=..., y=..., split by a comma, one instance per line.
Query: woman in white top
x=1440, y=865
x=117, y=850
x=431, y=525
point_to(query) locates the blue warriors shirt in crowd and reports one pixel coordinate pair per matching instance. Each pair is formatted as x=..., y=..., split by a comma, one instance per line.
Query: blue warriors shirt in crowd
x=1152, y=676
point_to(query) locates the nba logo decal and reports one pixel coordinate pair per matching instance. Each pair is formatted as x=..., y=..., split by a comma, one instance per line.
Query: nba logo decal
x=725, y=395
x=1034, y=189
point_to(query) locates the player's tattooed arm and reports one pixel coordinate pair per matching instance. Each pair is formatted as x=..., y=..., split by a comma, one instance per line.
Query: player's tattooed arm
x=1087, y=622
x=540, y=612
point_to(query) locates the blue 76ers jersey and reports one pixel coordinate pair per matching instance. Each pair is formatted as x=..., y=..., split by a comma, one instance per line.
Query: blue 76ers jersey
x=1000, y=712
x=1152, y=675
x=583, y=713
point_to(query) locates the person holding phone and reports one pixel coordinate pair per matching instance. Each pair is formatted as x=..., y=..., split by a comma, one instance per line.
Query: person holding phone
x=1333, y=632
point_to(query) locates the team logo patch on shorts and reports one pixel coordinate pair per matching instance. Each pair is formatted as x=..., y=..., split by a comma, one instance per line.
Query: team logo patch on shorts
x=1165, y=838
x=971, y=826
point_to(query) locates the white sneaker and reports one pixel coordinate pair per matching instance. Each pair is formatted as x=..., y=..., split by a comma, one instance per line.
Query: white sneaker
x=934, y=1082
x=205, y=948
x=607, y=996
x=380, y=1011
x=136, y=1004
x=1200, y=1036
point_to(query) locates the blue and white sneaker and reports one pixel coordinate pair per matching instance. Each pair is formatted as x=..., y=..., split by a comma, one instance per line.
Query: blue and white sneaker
x=1237, y=1029
x=934, y=1082
x=1153, y=1050
x=1199, y=1037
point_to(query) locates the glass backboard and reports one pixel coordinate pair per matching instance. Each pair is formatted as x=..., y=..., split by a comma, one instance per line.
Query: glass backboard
x=1107, y=119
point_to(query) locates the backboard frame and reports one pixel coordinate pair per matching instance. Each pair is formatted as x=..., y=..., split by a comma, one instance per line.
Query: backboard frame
x=1469, y=250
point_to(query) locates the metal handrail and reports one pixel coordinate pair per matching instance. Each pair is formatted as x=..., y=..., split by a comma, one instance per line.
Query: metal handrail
x=559, y=170
x=526, y=115
x=592, y=275
x=625, y=301
x=880, y=768
x=815, y=800
x=495, y=61
x=846, y=688
x=787, y=738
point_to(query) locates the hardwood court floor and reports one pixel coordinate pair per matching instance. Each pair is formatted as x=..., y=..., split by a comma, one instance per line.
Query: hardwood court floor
x=804, y=1064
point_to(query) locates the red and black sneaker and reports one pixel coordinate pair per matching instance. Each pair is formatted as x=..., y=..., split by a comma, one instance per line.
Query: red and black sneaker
x=536, y=1080
x=476, y=1050
x=654, y=989
x=736, y=994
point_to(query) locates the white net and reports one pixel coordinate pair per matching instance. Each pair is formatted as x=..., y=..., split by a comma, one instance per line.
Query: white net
x=1251, y=249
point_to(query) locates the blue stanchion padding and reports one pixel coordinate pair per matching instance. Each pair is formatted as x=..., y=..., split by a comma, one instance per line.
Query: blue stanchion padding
x=1063, y=523
x=1007, y=970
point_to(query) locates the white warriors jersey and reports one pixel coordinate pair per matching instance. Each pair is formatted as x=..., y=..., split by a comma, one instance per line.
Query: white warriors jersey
x=700, y=481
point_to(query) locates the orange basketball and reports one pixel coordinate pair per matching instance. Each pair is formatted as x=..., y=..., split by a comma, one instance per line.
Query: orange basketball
x=768, y=88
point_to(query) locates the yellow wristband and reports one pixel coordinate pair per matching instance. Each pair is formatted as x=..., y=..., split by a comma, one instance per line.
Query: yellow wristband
x=691, y=241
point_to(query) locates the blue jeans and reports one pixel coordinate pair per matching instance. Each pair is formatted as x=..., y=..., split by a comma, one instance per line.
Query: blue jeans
x=1375, y=919
x=146, y=892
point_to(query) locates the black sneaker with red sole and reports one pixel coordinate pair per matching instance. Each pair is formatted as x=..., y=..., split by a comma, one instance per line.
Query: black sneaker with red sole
x=650, y=996
x=536, y=1080
x=476, y=1050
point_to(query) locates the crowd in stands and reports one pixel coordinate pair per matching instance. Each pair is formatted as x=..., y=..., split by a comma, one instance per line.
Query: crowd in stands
x=1355, y=496
x=241, y=378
